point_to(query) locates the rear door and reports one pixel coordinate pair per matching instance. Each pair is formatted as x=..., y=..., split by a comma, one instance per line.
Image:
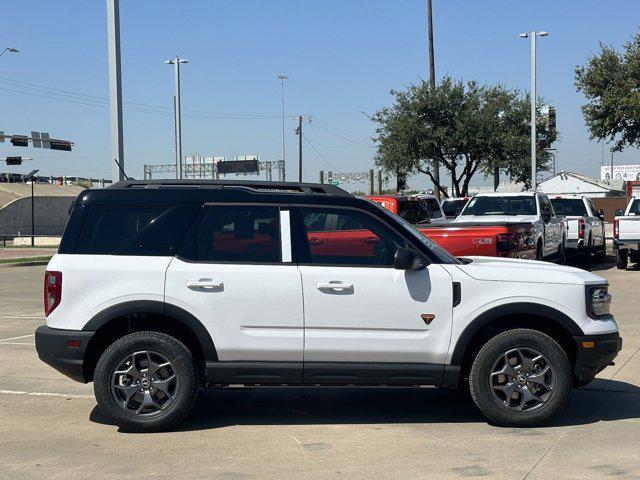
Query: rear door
x=552, y=228
x=234, y=273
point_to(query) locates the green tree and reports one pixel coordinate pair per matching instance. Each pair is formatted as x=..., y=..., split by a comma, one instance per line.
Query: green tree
x=611, y=83
x=467, y=127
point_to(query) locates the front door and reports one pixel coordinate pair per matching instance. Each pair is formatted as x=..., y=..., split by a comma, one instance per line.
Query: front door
x=358, y=308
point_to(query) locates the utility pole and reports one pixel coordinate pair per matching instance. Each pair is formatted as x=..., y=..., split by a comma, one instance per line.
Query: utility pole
x=432, y=83
x=115, y=90
x=176, y=61
x=299, y=133
x=282, y=78
x=612, y=164
x=534, y=171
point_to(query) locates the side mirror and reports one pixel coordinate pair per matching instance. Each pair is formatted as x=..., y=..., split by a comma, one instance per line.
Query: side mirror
x=406, y=259
x=601, y=214
x=619, y=212
x=546, y=216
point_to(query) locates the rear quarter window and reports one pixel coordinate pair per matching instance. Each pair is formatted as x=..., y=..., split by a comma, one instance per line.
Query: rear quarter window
x=134, y=230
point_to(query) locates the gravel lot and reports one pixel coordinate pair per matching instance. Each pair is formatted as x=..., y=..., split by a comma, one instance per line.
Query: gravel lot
x=50, y=427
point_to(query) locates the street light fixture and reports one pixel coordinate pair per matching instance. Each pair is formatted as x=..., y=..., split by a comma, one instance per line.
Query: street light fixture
x=282, y=78
x=176, y=61
x=532, y=35
x=10, y=50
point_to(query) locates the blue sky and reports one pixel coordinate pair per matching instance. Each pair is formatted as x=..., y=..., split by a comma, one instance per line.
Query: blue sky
x=342, y=57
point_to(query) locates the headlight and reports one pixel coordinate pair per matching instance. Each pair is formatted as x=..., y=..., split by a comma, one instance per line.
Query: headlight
x=598, y=300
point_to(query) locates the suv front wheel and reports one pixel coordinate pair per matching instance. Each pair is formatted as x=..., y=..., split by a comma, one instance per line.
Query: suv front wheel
x=146, y=381
x=520, y=378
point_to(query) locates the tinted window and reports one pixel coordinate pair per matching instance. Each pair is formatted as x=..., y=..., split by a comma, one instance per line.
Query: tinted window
x=434, y=207
x=413, y=211
x=452, y=208
x=358, y=240
x=635, y=208
x=238, y=234
x=123, y=230
x=524, y=205
x=570, y=207
x=316, y=222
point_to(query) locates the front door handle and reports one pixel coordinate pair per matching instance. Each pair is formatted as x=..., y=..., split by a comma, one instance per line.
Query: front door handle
x=314, y=241
x=338, y=286
x=205, y=284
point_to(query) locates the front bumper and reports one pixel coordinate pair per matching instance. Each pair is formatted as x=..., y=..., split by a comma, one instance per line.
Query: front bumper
x=53, y=347
x=593, y=354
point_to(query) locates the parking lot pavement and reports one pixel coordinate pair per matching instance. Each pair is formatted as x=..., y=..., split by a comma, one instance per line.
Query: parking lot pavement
x=49, y=426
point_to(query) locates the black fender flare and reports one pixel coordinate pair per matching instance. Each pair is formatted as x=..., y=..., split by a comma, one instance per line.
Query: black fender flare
x=518, y=308
x=150, y=306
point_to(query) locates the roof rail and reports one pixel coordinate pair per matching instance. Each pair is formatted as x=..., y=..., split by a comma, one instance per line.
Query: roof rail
x=254, y=185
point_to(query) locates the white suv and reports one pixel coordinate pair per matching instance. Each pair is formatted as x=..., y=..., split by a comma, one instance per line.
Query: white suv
x=162, y=287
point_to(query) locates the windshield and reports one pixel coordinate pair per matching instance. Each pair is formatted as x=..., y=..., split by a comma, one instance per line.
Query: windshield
x=413, y=211
x=511, y=205
x=436, y=250
x=569, y=207
x=453, y=207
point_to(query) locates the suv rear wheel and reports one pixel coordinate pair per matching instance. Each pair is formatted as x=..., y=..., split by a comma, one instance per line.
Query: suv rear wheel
x=520, y=378
x=146, y=381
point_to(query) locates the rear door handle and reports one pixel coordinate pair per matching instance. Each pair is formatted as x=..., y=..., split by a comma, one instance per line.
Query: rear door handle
x=315, y=241
x=339, y=286
x=371, y=240
x=205, y=284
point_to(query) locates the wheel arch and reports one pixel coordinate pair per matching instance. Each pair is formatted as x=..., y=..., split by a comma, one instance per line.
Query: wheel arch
x=515, y=315
x=127, y=317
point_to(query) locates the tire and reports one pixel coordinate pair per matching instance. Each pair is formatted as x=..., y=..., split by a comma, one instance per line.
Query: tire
x=601, y=254
x=587, y=256
x=149, y=407
x=539, y=252
x=622, y=259
x=538, y=403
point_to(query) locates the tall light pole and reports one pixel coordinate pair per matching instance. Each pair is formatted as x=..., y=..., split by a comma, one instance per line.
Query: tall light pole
x=532, y=35
x=115, y=90
x=10, y=50
x=282, y=78
x=176, y=61
x=432, y=84
x=31, y=176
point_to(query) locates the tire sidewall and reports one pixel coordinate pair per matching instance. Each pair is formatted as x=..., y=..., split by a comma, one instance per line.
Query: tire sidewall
x=185, y=370
x=480, y=375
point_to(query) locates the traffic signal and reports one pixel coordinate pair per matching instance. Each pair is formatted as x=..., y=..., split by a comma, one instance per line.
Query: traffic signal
x=60, y=145
x=20, y=141
x=14, y=160
x=552, y=121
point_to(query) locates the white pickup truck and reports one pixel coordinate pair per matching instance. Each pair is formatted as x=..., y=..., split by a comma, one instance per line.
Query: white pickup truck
x=626, y=233
x=584, y=226
x=531, y=207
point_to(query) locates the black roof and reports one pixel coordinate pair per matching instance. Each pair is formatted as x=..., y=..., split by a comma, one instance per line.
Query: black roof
x=168, y=192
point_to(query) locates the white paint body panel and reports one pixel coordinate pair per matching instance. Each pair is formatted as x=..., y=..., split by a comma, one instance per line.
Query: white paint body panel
x=629, y=228
x=255, y=315
x=378, y=320
x=92, y=283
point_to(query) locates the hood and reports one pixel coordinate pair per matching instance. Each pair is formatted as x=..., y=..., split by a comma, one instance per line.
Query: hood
x=526, y=271
x=495, y=218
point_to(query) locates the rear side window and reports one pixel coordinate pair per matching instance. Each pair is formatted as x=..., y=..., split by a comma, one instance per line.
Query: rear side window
x=635, y=208
x=134, y=230
x=238, y=234
x=413, y=211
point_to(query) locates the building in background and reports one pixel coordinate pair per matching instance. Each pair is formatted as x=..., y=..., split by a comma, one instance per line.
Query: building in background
x=576, y=184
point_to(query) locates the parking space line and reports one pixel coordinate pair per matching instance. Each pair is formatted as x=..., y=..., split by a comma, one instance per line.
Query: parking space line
x=17, y=338
x=44, y=394
x=18, y=343
x=11, y=317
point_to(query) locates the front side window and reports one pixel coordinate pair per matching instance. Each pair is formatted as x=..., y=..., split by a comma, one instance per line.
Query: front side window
x=509, y=205
x=434, y=207
x=237, y=234
x=453, y=208
x=358, y=239
x=413, y=211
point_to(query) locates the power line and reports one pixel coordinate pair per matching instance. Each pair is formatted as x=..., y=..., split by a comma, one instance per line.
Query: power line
x=318, y=152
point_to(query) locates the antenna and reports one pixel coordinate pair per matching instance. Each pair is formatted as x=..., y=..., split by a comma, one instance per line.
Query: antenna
x=121, y=170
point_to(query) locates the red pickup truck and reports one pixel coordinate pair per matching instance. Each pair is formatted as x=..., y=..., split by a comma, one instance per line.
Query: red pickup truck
x=500, y=239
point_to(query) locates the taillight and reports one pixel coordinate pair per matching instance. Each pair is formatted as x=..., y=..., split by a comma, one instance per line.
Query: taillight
x=616, y=229
x=581, y=227
x=52, y=291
